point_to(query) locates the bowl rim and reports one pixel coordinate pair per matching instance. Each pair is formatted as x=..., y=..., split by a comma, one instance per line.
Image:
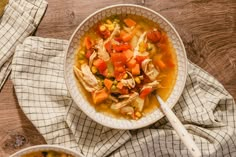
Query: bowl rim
x=181, y=44
x=45, y=147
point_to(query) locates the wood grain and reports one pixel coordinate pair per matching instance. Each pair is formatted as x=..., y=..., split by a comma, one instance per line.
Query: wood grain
x=207, y=28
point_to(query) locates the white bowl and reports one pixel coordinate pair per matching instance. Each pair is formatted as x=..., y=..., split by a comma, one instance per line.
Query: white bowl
x=79, y=97
x=46, y=148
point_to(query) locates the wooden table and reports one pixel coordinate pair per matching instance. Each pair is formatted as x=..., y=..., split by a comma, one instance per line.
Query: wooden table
x=207, y=28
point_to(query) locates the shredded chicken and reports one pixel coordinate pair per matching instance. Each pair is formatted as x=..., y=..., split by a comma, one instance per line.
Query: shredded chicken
x=149, y=69
x=125, y=102
x=92, y=57
x=139, y=103
x=127, y=110
x=130, y=83
x=152, y=85
x=86, y=77
x=102, y=53
x=114, y=32
x=136, y=49
x=123, y=96
x=113, y=98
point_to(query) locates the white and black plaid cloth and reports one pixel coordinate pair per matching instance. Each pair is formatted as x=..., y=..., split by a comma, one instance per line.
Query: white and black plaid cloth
x=20, y=19
x=205, y=108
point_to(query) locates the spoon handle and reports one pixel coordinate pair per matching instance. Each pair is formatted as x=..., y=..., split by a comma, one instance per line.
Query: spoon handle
x=179, y=128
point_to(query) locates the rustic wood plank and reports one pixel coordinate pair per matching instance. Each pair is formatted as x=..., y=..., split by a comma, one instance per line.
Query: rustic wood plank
x=207, y=28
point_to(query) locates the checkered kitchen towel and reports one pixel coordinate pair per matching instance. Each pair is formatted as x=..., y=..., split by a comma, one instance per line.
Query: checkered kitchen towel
x=20, y=19
x=205, y=108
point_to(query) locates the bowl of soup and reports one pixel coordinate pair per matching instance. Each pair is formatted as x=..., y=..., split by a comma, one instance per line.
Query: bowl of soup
x=46, y=151
x=118, y=60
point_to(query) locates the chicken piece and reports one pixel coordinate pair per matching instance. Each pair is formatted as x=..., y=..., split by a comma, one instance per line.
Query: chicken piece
x=114, y=32
x=123, y=96
x=127, y=110
x=136, y=49
x=113, y=98
x=152, y=85
x=91, y=58
x=130, y=83
x=86, y=77
x=149, y=69
x=125, y=102
x=102, y=53
x=139, y=104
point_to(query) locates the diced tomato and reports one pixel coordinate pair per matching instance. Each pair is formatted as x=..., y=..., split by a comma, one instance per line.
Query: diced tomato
x=118, y=58
x=108, y=46
x=103, y=33
x=163, y=47
x=119, y=85
x=145, y=92
x=88, y=53
x=124, y=90
x=136, y=70
x=125, y=36
x=88, y=43
x=119, y=75
x=140, y=59
x=99, y=96
x=170, y=63
x=119, y=68
x=108, y=83
x=129, y=22
x=164, y=38
x=122, y=47
x=154, y=36
x=131, y=63
x=105, y=73
x=100, y=65
x=128, y=54
x=118, y=39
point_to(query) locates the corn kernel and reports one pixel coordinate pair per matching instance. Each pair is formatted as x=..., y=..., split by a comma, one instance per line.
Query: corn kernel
x=137, y=80
x=125, y=76
x=115, y=82
x=110, y=27
x=113, y=87
x=94, y=69
x=108, y=21
x=138, y=114
x=102, y=28
x=81, y=62
x=82, y=52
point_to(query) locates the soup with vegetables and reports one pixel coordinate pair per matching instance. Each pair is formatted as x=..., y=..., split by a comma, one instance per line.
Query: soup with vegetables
x=122, y=62
x=49, y=153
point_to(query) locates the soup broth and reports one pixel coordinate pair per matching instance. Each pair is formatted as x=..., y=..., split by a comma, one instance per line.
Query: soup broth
x=122, y=62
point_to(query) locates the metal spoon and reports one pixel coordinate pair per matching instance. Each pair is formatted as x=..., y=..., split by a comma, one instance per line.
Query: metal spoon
x=179, y=128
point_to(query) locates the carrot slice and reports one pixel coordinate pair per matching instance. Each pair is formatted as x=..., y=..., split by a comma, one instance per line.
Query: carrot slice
x=88, y=43
x=108, y=83
x=99, y=96
x=145, y=92
x=119, y=85
x=161, y=64
x=131, y=63
x=154, y=36
x=136, y=69
x=108, y=46
x=128, y=54
x=129, y=22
